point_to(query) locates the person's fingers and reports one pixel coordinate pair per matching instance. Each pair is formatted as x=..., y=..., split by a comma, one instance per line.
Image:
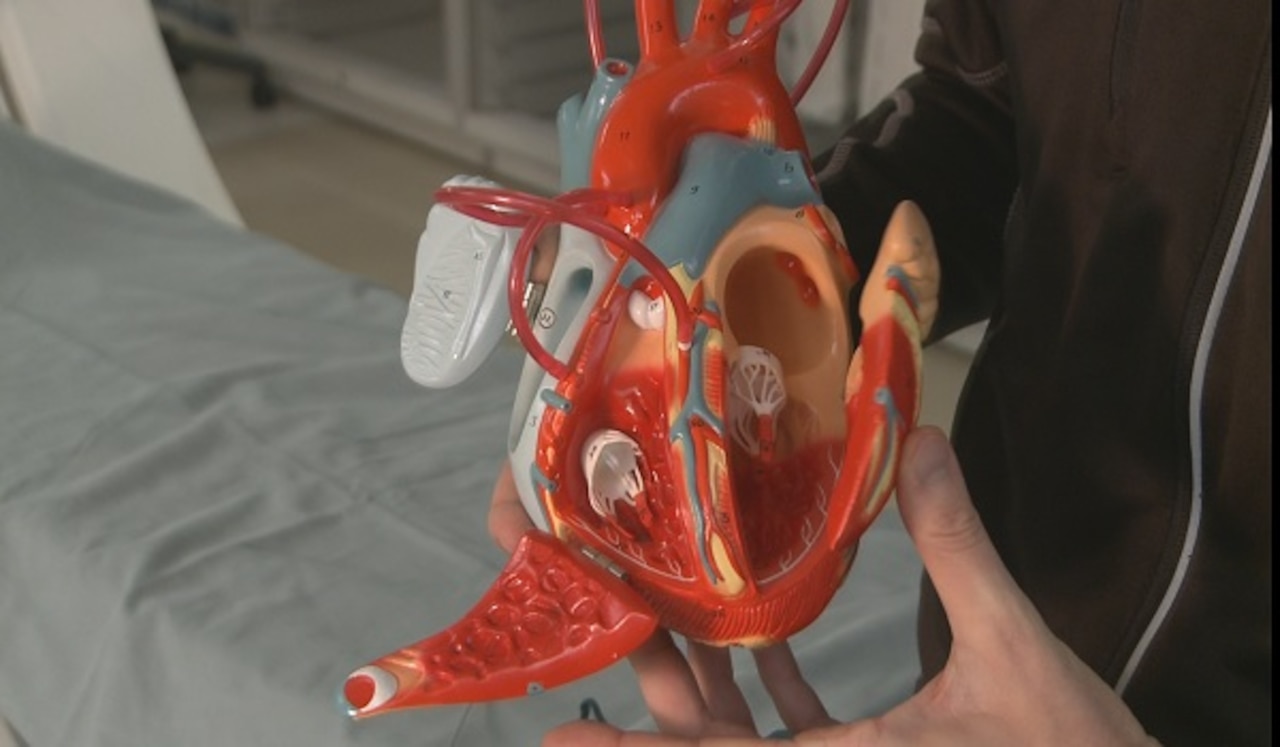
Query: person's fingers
x=798, y=705
x=713, y=669
x=971, y=581
x=508, y=520
x=883, y=731
x=590, y=734
x=668, y=687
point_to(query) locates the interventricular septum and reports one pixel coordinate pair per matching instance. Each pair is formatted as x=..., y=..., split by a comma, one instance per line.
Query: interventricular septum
x=757, y=393
x=611, y=462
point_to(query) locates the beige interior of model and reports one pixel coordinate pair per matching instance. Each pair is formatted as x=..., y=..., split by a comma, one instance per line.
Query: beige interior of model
x=761, y=305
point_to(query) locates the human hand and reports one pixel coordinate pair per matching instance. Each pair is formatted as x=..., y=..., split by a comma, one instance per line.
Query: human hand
x=508, y=521
x=1008, y=680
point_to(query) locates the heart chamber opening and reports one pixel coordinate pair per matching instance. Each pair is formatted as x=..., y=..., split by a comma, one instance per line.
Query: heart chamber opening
x=783, y=346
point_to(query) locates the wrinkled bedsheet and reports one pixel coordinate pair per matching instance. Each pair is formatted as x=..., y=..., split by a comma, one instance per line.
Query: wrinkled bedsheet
x=219, y=492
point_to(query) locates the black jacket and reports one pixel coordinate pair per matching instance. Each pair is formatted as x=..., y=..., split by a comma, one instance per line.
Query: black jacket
x=1098, y=177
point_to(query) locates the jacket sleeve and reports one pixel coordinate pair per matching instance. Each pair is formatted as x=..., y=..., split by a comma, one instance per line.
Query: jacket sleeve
x=944, y=139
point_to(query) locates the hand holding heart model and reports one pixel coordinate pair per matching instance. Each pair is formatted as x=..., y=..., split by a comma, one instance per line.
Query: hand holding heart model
x=696, y=437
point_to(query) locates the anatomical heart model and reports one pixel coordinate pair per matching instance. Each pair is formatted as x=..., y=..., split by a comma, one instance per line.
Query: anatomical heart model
x=695, y=436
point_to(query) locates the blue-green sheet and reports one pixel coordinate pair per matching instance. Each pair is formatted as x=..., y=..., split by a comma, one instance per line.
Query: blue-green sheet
x=219, y=492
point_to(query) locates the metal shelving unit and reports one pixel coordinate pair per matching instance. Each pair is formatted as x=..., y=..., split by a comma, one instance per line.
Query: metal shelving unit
x=480, y=79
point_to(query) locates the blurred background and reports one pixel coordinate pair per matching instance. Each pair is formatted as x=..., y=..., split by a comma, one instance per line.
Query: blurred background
x=373, y=104
x=328, y=124
x=332, y=121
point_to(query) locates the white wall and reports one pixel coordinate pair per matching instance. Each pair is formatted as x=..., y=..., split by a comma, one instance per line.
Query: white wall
x=828, y=98
x=888, y=43
x=872, y=54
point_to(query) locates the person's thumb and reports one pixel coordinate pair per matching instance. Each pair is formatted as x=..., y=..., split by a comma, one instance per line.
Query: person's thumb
x=583, y=734
x=971, y=581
